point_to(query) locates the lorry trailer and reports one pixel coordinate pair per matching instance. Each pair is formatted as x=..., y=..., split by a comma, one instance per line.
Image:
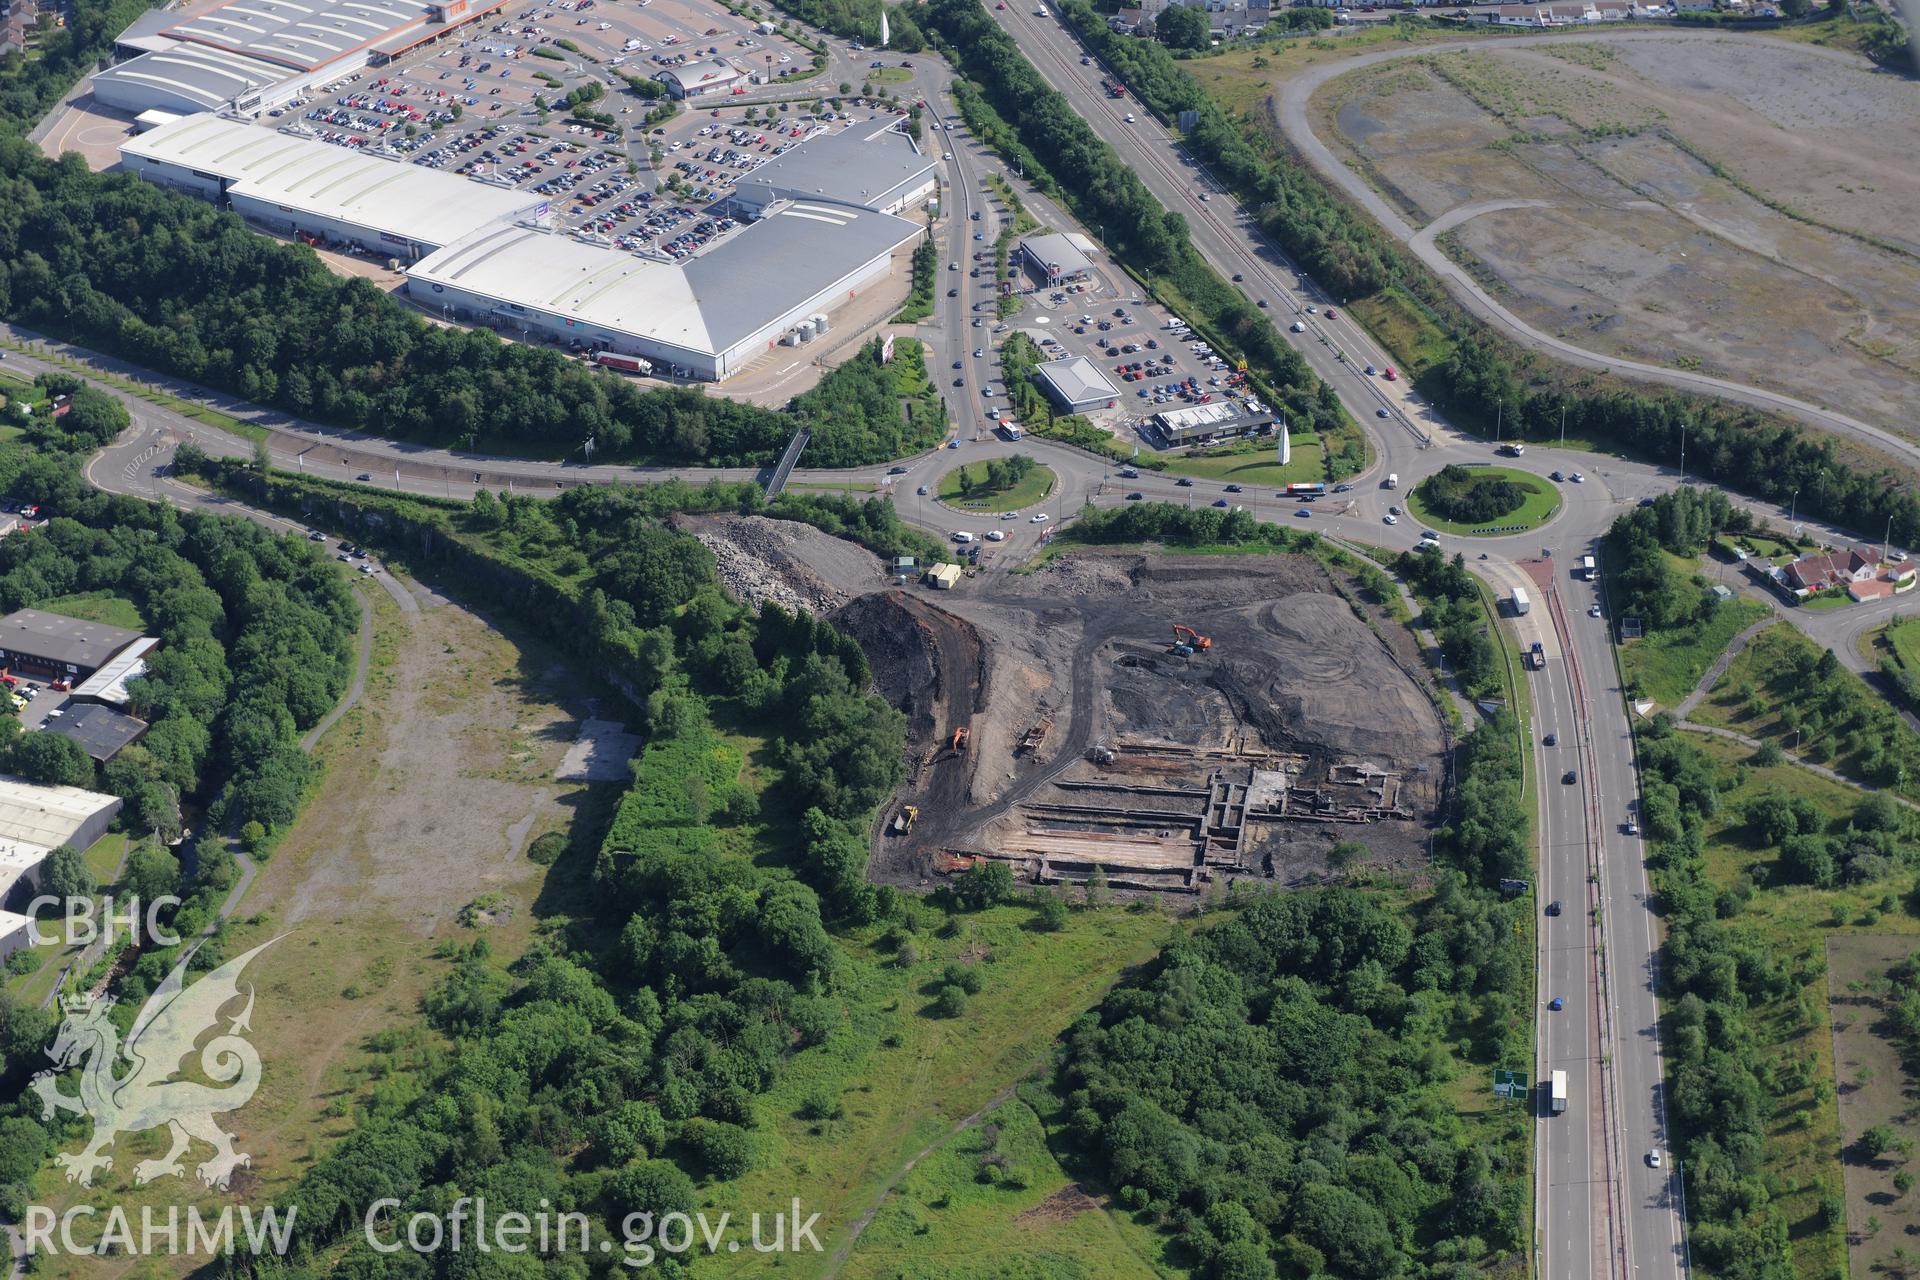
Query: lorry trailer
x=1558, y=1092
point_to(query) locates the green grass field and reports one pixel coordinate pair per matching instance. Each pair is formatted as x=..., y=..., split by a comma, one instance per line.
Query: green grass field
x=1259, y=468
x=1542, y=502
x=1904, y=639
x=1801, y=1153
x=1666, y=665
x=905, y=1080
x=994, y=1199
x=97, y=606
x=1034, y=486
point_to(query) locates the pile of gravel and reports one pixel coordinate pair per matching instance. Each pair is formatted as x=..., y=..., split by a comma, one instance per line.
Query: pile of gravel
x=758, y=560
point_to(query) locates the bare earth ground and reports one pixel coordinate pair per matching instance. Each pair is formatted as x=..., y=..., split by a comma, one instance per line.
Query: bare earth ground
x=1874, y=1088
x=435, y=784
x=1633, y=242
x=1295, y=682
x=791, y=564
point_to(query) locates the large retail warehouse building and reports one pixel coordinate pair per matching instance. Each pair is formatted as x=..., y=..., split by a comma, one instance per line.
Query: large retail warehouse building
x=249, y=55
x=484, y=254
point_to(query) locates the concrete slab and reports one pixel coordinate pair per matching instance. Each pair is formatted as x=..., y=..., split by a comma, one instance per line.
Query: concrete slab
x=599, y=754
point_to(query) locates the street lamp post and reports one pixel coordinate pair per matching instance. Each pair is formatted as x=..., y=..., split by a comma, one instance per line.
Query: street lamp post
x=1793, y=510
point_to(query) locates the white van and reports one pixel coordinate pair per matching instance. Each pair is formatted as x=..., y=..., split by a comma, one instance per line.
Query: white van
x=962, y=535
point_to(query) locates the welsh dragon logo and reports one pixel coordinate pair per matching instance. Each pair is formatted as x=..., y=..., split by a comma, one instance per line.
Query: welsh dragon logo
x=150, y=1095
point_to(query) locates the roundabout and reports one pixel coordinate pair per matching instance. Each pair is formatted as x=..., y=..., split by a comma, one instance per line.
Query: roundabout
x=996, y=485
x=1484, y=502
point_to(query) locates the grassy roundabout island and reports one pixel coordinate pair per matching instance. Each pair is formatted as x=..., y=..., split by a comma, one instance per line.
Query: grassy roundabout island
x=998, y=484
x=1488, y=501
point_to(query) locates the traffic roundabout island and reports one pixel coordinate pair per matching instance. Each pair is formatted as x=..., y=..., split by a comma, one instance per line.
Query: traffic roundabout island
x=1484, y=502
x=996, y=485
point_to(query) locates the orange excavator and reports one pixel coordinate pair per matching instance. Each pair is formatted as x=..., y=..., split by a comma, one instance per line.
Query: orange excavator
x=1188, y=641
x=959, y=742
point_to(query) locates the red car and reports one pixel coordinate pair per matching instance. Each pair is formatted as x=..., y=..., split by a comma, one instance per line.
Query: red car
x=1390, y=375
x=1332, y=314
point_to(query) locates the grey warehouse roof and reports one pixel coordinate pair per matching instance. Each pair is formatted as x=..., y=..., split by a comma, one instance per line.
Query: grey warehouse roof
x=693, y=76
x=706, y=303
x=1076, y=380
x=61, y=639
x=100, y=731
x=1058, y=250
x=859, y=165
x=209, y=77
x=301, y=34
x=305, y=175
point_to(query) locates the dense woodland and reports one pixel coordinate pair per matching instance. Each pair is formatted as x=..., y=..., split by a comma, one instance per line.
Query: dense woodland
x=166, y=281
x=256, y=633
x=1486, y=379
x=1470, y=496
x=1455, y=612
x=1271, y=1088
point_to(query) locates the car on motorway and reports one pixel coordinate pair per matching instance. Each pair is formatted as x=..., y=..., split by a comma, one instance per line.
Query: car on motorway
x=1262, y=304
x=946, y=155
x=896, y=471
x=1135, y=496
x=1009, y=515
x=1593, y=611
x=1332, y=314
x=922, y=491
x=1390, y=375
x=1577, y=478
x=1129, y=117
x=1551, y=740
x=979, y=353
x=1221, y=502
x=1297, y=327
x=1343, y=488
x=1305, y=513
x=316, y=536
x=996, y=535
x=959, y=364
x=1085, y=61
x=1185, y=482
x=1556, y=1004
x=363, y=476
x=1428, y=535
x=959, y=382
x=1380, y=413
x=1630, y=827
x=1390, y=518
x=1237, y=277
x=1555, y=476
x=953, y=293
x=1371, y=371
x=954, y=443
x=1653, y=1158
x=1039, y=517
x=1234, y=488
x=1570, y=777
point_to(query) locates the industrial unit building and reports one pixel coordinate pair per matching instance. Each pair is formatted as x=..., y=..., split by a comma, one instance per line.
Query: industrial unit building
x=871, y=165
x=249, y=55
x=101, y=731
x=1054, y=259
x=20, y=865
x=1075, y=385
x=702, y=79
x=1200, y=423
x=702, y=317
x=15, y=933
x=108, y=685
x=51, y=646
x=49, y=817
x=303, y=186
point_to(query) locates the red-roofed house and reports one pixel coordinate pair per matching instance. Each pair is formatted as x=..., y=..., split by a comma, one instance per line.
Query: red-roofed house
x=1823, y=570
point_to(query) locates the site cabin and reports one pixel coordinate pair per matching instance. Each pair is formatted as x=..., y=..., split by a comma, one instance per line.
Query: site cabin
x=1558, y=1092
x=1520, y=602
x=1588, y=569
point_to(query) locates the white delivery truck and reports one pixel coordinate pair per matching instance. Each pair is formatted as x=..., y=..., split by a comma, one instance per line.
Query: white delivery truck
x=1588, y=569
x=1520, y=602
x=1393, y=480
x=1558, y=1096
